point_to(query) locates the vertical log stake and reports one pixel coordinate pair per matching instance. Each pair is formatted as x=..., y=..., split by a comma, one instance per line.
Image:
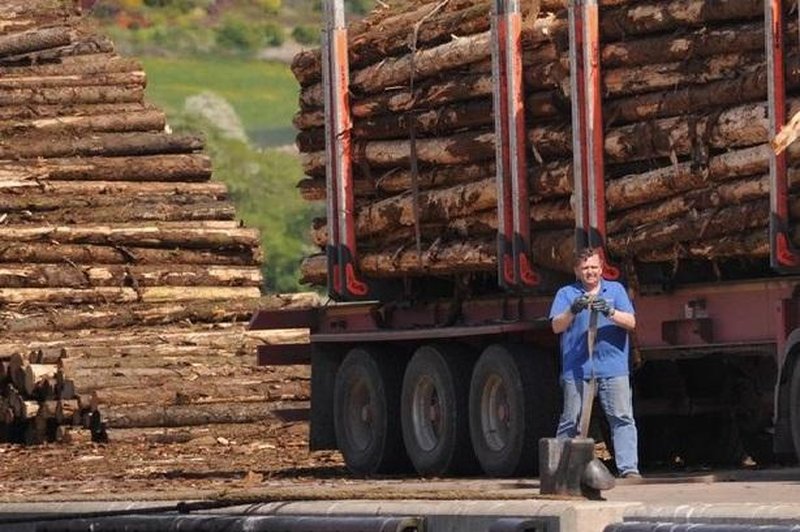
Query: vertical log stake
x=343, y=279
x=513, y=203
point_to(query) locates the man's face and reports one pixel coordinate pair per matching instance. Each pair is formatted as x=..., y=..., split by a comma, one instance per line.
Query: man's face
x=589, y=271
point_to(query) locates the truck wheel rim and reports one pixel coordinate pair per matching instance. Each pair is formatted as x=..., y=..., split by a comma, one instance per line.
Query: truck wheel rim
x=426, y=414
x=494, y=414
x=359, y=416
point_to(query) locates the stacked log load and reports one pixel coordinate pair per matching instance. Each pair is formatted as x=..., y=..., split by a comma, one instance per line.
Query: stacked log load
x=684, y=89
x=126, y=282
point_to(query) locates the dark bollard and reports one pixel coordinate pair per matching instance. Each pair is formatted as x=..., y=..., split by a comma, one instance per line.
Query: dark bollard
x=568, y=467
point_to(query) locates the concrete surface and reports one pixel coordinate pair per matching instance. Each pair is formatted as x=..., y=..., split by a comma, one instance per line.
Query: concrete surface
x=770, y=497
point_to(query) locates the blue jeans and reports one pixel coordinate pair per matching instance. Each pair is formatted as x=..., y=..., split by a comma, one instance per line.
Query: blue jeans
x=615, y=399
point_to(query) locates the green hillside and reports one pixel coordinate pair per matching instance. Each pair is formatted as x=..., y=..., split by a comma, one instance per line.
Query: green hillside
x=263, y=94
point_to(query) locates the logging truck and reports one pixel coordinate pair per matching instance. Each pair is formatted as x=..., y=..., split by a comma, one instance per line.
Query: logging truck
x=440, y=359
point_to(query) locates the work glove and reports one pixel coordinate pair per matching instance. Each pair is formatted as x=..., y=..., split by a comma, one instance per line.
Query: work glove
x=603, y=306
x=579, y=303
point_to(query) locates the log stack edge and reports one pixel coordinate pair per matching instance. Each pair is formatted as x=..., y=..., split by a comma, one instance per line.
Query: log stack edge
x=126, y=281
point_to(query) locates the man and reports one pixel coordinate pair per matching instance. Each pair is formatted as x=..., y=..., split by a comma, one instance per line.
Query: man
x=570, y=317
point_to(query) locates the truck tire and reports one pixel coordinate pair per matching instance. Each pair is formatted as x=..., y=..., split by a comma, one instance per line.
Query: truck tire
x=366, y=416
x=435, y=411
x=513, y=403
x=794, y=407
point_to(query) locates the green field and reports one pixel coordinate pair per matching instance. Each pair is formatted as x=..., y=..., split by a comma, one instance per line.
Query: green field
x=263, y=94
x=261, y=181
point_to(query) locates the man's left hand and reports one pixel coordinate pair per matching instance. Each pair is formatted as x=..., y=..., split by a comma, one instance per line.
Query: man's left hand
x=603, y=306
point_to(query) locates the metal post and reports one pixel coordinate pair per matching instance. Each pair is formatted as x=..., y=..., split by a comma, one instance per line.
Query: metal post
x=513, y=203
x=579, y=142
x=588, y=137
x=783, y=256
x=343, y=282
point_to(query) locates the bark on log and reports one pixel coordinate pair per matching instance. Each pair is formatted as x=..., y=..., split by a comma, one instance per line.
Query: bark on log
x=93, y=94
x=88, y=45
x=144, y=211
x=38, y=252
x=181, y=435
x=50, y=347
x=395, y=71
x=458, y=257
x=18, y=82
x=204, y=235
x=33, y=40
x=739, y=126
x=43, y=197
x=662, y=77
x=53, y=297
x=714, y=196
x=706, y=224
x=370, y=42
x=176, y=416
x=74, y=276
x=460, y=148
x=656, y=17
x=135, y=314
x=754, y=244
x=545, y=180
x=143, y=355
x=156, y=167
x=68, y=67
x=153, y=121
x=34, y=112
x=471, y=115
x=104, y=144
x=701, y=42
x=625, y=20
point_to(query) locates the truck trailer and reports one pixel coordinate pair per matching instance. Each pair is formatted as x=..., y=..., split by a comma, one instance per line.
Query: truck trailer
x=458, y=374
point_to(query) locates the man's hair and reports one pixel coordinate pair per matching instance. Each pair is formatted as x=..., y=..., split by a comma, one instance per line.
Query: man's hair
x=584, y=253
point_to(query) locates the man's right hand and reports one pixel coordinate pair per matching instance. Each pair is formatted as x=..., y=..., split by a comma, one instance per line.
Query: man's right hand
x=579, y=303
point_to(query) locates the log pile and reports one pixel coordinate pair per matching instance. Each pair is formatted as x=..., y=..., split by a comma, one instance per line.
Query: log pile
x=685, y=112
x=126, y=281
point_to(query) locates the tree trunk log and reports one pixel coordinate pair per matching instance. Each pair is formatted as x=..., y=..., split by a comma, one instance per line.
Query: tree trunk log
x=83, y=46
x=153, y=121
x=34, y=40
x=105, y=144
x=397, y=71
x=168, y=167
x=143, y=211
x=135, y=314
x=754, y=244
x=53, y=297
x=739, y=126
x=50, y=348
x=100, y=78
x=189, y=415
x=461, y=148
x=47, y=252
x=218, y=235
x=53, y=195
x=69, y=67
x=92, y=94
x=659, y=16
x=39, y=112
x=73, y=276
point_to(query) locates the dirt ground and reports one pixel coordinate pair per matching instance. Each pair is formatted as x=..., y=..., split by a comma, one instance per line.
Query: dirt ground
x=230, y=459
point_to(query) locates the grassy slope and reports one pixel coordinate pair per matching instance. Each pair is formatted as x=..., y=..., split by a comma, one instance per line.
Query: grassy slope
x=261, y=183
x=263, y=94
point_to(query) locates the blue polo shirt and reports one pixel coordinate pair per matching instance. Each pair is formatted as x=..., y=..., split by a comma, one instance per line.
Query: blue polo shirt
x=611, y=346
